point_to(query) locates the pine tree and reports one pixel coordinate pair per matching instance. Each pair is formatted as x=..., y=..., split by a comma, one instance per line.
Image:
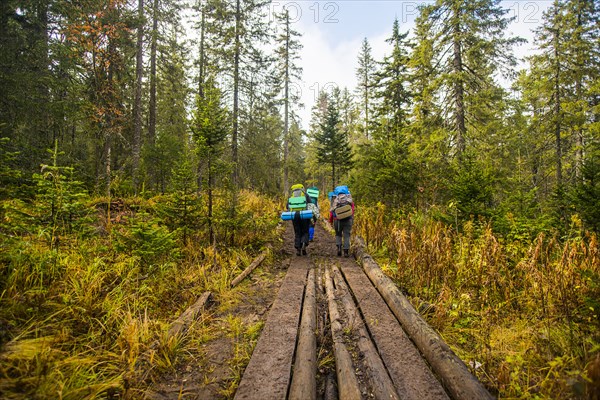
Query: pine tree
x=557, y=92
x=137, y=104
x=365, y=74
x=469, y=48
x=384, y=171
x=392, y=92
x=333, y=145
x=210, y=128
x=288, y=73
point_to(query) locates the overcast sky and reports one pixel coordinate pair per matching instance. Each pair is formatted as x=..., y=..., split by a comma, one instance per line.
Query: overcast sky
x=332, y=33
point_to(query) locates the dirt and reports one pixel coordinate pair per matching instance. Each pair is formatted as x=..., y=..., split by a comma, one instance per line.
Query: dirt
x=275, y=298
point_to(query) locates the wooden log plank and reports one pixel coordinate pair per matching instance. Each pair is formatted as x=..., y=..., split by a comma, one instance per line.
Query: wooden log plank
x=267, y=376
x=304, y=376
x=412, y=377
x=378, y=376
x=180, y=325
x=347, y=383
x=450, y=369
x=255, y=263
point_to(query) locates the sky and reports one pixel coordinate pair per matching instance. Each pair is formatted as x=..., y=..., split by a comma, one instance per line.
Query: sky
x=333, y=31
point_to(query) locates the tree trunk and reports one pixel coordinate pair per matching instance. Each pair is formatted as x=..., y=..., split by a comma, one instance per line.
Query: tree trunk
x=236, y=88
x=579, y=93
x=201, y=86
x=137, y=105
x=152, y=102
x=286, y=101
x=459, y=106
x=211, y=233
x=201, y=55
x=557, y=110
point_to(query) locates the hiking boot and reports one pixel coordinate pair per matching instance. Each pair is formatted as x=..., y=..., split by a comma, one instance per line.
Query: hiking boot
x=304, y=251
x=346, y=253
x=297, y=252
x=339, y=251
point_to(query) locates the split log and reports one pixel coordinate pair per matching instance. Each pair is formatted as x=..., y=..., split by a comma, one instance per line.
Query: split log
x=304, y=377
x=347, y=382
x=381, y=383
x=331, y=392
x=250, y=268
x=450, y=369
x=181, y=324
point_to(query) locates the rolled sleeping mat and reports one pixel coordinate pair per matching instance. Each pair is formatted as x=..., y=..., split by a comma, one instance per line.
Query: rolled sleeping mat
x=313, y=192
x=289, y=215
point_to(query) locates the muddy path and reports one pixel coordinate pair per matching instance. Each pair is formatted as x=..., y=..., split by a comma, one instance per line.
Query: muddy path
x=331, y=334
x=331, y=330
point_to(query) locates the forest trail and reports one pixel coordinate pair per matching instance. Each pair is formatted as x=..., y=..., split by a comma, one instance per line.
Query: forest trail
x=330, y=334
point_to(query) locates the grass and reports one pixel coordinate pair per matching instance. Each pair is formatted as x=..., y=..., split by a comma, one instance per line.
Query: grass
x=78, y=319
x=523, y=314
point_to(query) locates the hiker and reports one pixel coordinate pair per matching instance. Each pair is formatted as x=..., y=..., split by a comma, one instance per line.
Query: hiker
x=299, y=201
x=313, y=193
x=341, y=215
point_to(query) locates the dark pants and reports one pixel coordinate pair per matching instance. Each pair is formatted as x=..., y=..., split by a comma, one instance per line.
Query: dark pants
x=343, y=228
x=300, y=231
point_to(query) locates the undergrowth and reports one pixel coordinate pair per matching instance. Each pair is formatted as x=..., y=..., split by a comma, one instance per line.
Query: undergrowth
x=522, y=313
x=87, y=295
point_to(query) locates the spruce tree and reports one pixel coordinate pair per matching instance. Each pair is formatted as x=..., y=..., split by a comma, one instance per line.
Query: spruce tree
x=469, y=48
x=384, y=171
x=333, y=145
x=209, y=129
x=288, y=73
x=365, y=74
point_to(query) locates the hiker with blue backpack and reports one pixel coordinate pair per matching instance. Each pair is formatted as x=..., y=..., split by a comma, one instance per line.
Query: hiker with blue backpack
x=298, y=203
x=341, y=215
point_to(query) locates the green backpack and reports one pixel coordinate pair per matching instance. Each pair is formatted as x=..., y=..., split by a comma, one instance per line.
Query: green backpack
x=298, y=201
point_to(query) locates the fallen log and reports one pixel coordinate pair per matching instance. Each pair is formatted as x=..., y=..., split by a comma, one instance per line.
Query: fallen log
x=304, y=377
x=381, y=383
x=181, y=324
x=450, y=369
x=347, y=382
x=250, y=268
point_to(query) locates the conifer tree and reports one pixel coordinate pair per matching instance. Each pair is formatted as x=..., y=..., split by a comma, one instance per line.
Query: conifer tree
x=210, y=128
x=392, y=92
x=384, y=171
x=558, y=91
x=288, y=73
x=333, y=145
x=365, y=74
x=469, y=48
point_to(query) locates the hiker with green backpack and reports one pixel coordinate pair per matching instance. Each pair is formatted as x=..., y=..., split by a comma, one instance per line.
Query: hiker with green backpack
x=313, y=193
x=341, y=215
x=299, y=201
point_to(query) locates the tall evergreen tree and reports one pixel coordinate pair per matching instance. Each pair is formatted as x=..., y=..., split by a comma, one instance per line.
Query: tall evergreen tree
x=384, y=171
x=365, y=74
x=469, y=47
x=333, y=145
x=392, y=92
x=137, y=103
x=557, y=91
x=288, y=73
x=210, y=128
